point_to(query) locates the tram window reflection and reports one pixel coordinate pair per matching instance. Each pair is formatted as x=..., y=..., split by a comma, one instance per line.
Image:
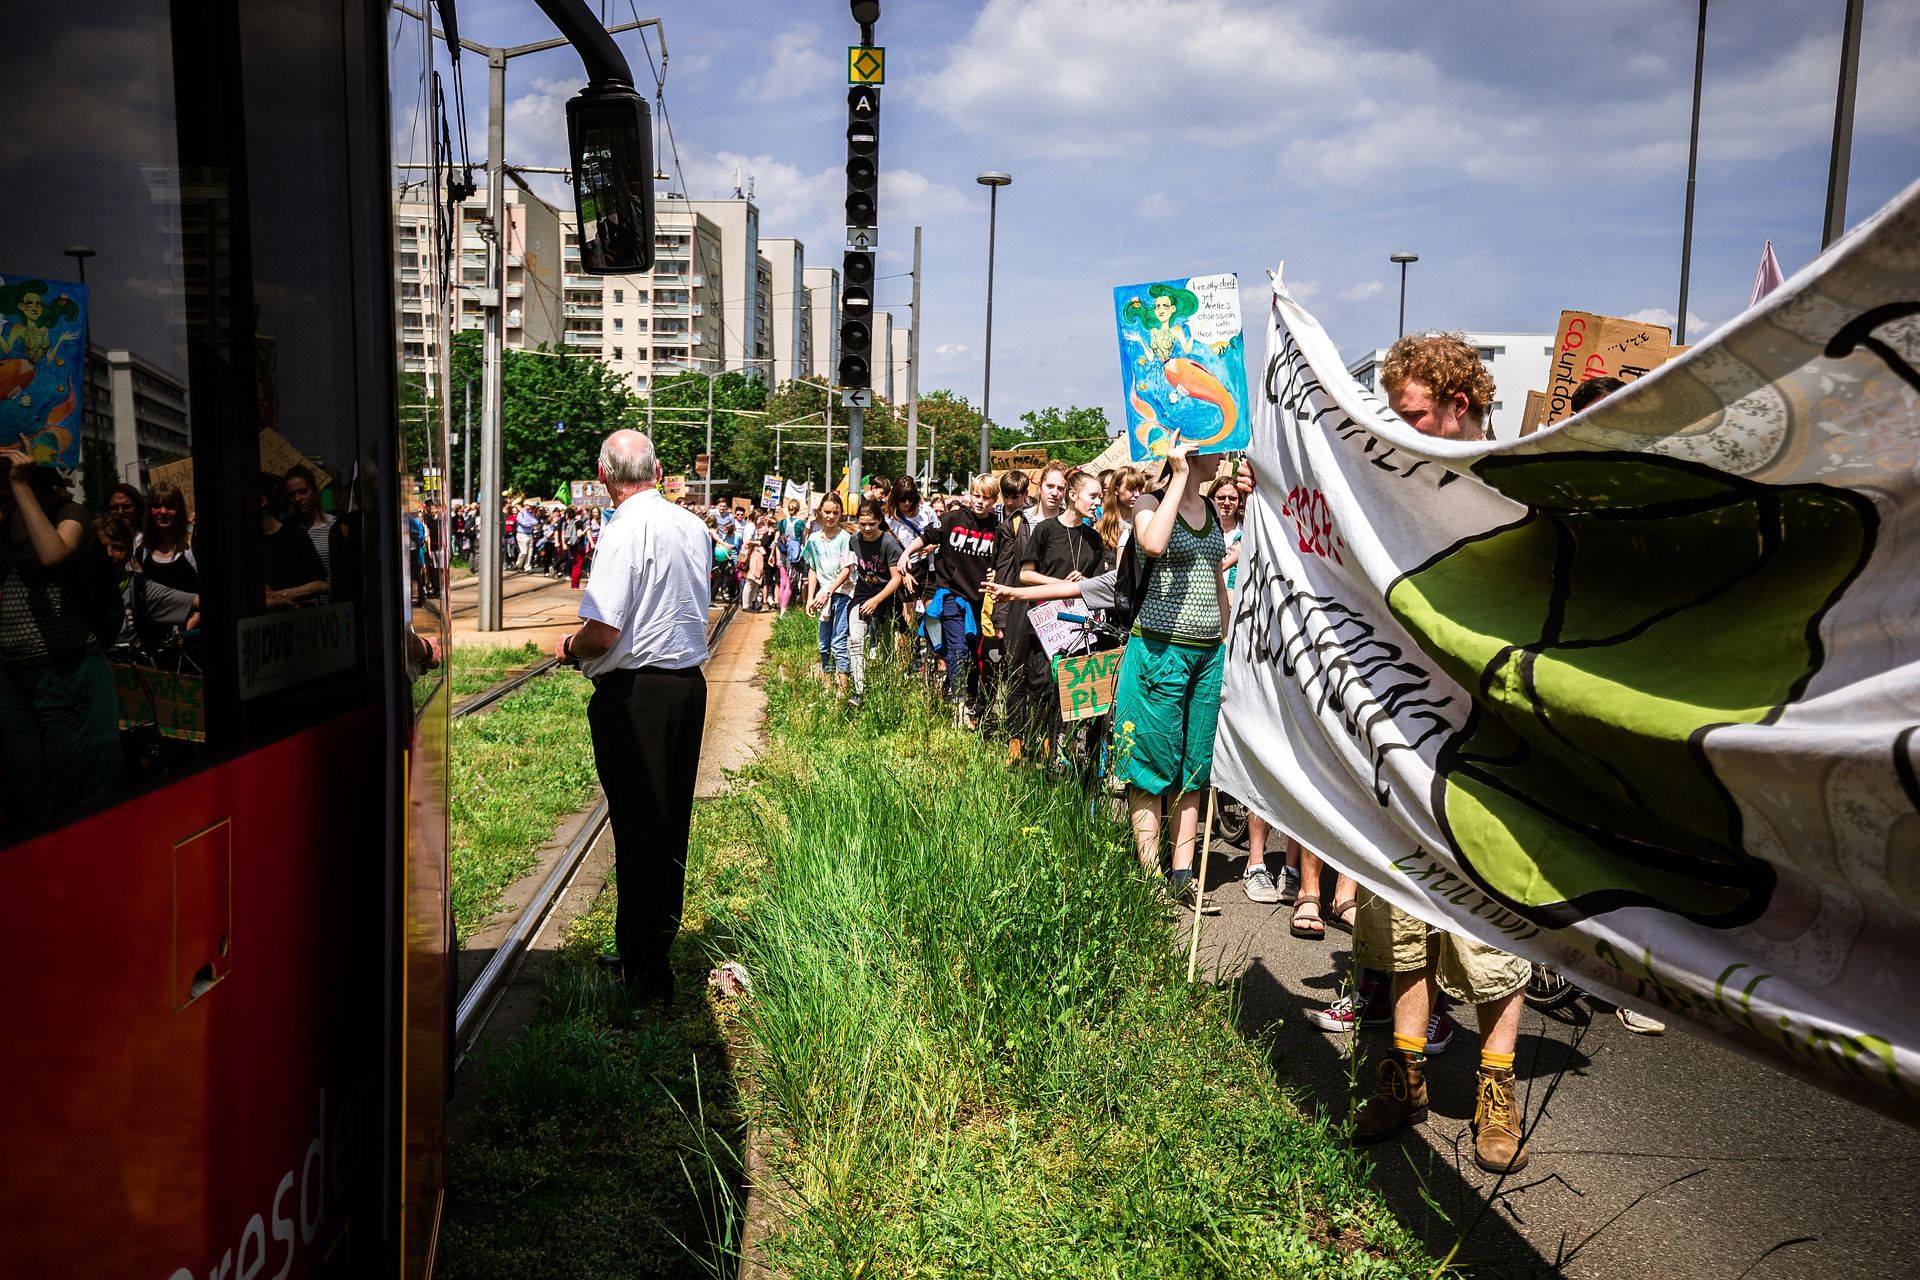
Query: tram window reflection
x=59, y=730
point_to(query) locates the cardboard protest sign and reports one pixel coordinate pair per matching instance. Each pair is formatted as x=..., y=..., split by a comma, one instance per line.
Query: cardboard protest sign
x=673, y=488
x=1056, y=636
x=770, y=492
x=1018, y=459
x=278, y=456
x=1593, y=346
x=179, y=475
x=1536, y=410
x=173, y=702
x=1183, y=364
x=43, y=361
x=1086, y=682
x=589, y=493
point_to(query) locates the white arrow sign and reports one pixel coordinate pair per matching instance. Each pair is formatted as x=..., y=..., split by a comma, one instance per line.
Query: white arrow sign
x=861, y=238
x=862, y=399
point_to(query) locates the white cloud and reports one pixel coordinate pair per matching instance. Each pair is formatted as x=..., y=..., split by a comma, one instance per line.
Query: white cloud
x=794, y=66
x=1361, y=292
x=1696, y=327
x=1158, y=205
x=1065, y=80
x=952, y=349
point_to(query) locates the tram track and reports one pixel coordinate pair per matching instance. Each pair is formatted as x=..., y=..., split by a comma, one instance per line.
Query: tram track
x=483, y=995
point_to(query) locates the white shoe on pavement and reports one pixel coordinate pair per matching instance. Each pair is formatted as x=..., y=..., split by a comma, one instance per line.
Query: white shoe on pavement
x=1639, y=1023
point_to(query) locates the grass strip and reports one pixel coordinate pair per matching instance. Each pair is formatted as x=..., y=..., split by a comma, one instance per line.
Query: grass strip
x=518, y=770
x=974, y=1050
x=971, y=1047
x=602, y=1144
x=475, y=669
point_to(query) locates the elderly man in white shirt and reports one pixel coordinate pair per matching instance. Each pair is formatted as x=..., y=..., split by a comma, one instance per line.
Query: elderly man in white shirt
x=642, y=638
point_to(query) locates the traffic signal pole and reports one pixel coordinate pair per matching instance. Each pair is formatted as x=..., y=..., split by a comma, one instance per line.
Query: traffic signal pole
x=866, y=71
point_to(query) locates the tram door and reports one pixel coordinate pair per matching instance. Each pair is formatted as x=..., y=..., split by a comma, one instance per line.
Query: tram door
x=222, y=796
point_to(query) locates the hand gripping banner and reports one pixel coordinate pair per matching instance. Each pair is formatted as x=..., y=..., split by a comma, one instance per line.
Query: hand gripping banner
x=1637, y=696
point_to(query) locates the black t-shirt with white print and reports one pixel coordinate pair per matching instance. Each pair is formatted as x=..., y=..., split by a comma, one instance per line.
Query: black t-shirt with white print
x=966, y=546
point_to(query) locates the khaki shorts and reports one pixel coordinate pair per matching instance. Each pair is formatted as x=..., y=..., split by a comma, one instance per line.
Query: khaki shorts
x=1469, y=971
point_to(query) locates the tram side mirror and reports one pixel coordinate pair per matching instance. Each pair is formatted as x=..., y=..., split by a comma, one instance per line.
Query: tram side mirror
x=610, y=134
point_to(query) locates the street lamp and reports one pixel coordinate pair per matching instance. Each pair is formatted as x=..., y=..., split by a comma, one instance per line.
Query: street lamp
x=1403, y=259
x=79, y=253
x=992, y=180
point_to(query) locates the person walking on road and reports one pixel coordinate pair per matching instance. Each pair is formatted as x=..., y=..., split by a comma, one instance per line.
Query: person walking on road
x=642, y=638
x=1437, y=385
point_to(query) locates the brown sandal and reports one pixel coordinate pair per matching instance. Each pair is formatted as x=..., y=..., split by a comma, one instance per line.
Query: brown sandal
x=1296, y=926
x=1341, y=920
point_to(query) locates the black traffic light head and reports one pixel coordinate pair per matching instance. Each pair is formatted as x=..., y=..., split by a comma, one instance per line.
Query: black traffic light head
x=863, y=156
x=856, y=268
x=856, y=330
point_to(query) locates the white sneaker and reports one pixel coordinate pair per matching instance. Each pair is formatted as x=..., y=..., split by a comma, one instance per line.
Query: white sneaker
x=1639, y=1023
x=1257, y=883
x=1289, y=884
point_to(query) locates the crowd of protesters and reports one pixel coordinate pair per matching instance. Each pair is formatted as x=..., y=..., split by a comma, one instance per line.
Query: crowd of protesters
x=1155, y=553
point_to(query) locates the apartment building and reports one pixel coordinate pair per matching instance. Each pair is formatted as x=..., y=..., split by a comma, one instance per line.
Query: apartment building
x=655, y=324
x=746, y=314
x=823, y=308
x=880, y=366
x=902, y=360
x=533, y=310
x=787, y=306
x=1519, y=363
x=134, y=417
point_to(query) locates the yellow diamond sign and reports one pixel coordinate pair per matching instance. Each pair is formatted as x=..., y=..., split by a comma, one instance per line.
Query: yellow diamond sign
x=866, y=64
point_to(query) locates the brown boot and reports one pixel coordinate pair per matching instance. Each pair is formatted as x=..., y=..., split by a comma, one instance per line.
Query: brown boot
x=1399, y=1098
x=1496, y=1121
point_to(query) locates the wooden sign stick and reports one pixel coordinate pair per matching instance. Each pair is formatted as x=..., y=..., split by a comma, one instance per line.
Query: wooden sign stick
x=1200, y=885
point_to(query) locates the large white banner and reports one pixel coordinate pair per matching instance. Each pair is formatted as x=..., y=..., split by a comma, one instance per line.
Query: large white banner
x=1638, y=696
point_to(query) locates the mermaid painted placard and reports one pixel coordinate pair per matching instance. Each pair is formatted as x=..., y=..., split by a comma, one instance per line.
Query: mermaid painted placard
x=43, y=357
x=1183, y=364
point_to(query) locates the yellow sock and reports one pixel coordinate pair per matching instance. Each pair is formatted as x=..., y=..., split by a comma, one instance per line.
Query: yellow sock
x=1415, y=1044
x=1491, y=1061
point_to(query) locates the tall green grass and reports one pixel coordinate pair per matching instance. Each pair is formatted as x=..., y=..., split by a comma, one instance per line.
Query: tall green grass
x=972, y=1047
x=518, y=769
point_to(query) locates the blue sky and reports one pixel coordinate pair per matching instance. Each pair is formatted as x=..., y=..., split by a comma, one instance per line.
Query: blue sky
x=1534, y=155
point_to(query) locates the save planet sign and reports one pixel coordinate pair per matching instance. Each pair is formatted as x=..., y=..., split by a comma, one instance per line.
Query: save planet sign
x=1183, y=364
x=1636, y=696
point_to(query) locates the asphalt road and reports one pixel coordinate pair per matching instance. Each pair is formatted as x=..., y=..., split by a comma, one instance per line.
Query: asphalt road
x=1656, y=1156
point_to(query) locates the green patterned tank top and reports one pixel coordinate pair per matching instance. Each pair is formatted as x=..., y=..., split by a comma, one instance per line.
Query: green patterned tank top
x=1182, y=605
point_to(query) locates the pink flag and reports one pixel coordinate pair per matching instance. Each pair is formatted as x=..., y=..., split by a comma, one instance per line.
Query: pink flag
x=1768, y=278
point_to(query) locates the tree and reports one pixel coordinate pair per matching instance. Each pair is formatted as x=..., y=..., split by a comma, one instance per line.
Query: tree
x=680, y=426
x=556, y=409
x=803, y=408
x=1084, y=432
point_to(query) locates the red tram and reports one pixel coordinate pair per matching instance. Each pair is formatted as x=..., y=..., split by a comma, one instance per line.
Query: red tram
x=226, y=1028
x=226, y=1024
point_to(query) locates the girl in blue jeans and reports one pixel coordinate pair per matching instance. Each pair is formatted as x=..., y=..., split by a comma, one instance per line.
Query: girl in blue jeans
x=829, y=561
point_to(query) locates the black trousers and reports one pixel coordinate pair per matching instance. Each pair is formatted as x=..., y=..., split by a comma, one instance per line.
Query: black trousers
x=647, y=725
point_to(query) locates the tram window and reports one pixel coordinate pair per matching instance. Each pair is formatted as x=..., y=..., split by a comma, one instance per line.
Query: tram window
x=157, y=608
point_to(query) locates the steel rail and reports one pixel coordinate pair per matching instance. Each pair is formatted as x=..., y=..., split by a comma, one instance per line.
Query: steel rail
x=488, y=696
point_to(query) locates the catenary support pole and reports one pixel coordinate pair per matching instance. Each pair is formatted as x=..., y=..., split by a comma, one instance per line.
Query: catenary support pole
x=1693, y=164
x=913, y=367
x=1842, y=158
x=491, y=383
